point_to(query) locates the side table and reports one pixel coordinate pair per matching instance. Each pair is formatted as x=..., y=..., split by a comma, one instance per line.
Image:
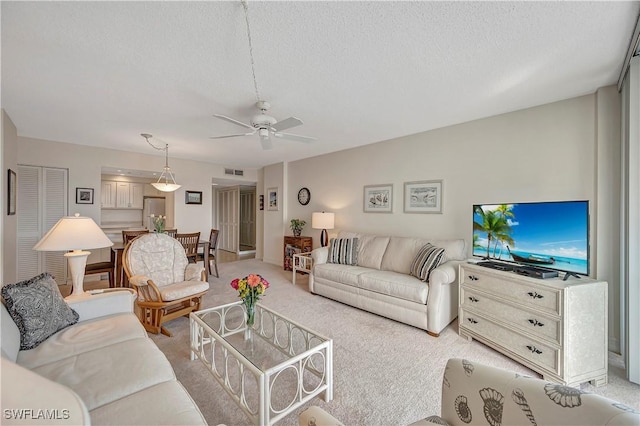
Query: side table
x=302, y=262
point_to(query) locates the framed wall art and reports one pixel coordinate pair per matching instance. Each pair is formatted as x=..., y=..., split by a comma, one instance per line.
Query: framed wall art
x=84, y=195
x=193, y=197
x=272, y=199
x=378, y=198
x=261, y=202
x=11, y=192
x=423, y=196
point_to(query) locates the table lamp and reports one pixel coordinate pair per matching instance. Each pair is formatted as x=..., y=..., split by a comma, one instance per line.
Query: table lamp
x=74, y=233
x=323, y=221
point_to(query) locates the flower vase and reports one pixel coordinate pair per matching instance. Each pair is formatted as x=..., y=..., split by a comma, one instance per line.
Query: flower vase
x=249, y=320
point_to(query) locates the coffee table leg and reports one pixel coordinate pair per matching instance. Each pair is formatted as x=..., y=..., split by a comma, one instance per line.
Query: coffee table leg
x=265, y=401
x=328, y=394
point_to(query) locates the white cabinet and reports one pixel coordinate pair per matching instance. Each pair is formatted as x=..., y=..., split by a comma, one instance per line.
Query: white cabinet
x=557, y=328
x=122, y=195
x=108, y=195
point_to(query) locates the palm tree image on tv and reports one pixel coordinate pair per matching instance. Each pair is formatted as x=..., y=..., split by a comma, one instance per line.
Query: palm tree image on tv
x=548, y=234
x=495, y=224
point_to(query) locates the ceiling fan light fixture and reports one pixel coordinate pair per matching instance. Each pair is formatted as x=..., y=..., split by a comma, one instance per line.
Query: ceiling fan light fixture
x=264, y=133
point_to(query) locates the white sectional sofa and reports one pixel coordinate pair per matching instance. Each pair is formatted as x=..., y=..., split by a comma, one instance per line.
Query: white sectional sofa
x=381, y=281
x=102, y=370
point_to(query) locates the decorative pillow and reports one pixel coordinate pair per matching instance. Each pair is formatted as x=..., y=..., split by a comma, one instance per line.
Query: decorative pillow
x=343, y=251
x=427, y=259
x=38, y=309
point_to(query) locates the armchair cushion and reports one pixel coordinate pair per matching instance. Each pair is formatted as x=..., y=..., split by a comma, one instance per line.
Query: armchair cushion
x=182, y=289
x=38, y=309
x=193, y=272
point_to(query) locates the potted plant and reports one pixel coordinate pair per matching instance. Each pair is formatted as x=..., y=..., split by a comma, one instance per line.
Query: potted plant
x=296, y=226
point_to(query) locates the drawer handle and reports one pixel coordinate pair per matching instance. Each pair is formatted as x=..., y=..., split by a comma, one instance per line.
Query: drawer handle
x=535, y=295
x=473, y=299
x=534, y=350
x=473, y=278
x=472, y=321
x=536, y=323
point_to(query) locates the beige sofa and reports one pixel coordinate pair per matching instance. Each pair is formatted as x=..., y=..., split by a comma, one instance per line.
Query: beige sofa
x=102, y=370
x=478, y=394
x=381, y=283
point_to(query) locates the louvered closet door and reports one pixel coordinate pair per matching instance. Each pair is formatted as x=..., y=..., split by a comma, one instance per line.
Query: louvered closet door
x=42, y=201
x=247, y=219
x=228, y=203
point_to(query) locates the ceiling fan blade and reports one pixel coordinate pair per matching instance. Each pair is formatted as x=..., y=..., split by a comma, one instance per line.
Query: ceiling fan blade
x=287, y=123
x=297, y=138
x=232, y=136
x=231, y=120
x=266, y=143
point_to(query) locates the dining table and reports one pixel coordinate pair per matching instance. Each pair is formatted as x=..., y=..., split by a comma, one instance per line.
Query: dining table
x=121, y=279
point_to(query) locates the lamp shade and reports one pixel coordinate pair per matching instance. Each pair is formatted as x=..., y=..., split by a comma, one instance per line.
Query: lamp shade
x=322, y=220
x=73, y=233
x=165, y=186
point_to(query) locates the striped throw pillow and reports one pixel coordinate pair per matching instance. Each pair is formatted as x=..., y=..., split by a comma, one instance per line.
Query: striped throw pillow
x=343, y=251
x=427, y=259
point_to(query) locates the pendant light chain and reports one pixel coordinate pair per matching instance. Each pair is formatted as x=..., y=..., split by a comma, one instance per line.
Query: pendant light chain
x=245, y=5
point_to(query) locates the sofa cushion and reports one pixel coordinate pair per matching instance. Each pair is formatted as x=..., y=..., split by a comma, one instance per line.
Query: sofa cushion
x=10, y=335
x=107, y=374
x=171, y=403
x=345, y=274
x=38, y=309
x=394, y=284
x=371, y=251
x=400, y=254
x=427, y=259
x=343, y=251
x=83, y=337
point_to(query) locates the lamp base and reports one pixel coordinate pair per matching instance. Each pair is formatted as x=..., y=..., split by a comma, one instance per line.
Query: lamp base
x=77, y=262
x=324, y=238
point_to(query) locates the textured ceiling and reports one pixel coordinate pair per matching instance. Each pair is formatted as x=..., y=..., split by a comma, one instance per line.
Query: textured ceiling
x=101, y=73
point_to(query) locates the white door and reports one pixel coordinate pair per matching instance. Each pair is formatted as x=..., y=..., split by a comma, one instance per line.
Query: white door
x=42, y=201
x=229, y=218
x=247, y=219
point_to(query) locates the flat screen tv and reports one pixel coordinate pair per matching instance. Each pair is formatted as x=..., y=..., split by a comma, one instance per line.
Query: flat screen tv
x=551, y=235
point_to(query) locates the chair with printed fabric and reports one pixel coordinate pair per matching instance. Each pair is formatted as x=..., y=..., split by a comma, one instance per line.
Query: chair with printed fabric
x=168, y=285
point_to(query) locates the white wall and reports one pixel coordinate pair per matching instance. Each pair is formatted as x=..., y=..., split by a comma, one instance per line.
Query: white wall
x=544, y=153
x=273, y=221
x=9, y=231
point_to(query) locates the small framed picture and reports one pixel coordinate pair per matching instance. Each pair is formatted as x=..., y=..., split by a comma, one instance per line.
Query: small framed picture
x=193, y=197
x=272, y=199
x=11, y=193
x=261, y=202
x=378, y=198
x=423, y=197
x=84, y=195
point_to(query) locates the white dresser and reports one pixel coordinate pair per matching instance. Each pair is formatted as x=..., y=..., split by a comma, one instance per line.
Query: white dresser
x=557, y=328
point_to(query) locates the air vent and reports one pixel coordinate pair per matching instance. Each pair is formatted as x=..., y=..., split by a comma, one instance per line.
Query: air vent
x=234, y=172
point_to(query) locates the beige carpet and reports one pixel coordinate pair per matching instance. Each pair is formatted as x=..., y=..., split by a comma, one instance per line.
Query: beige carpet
x=385, y=372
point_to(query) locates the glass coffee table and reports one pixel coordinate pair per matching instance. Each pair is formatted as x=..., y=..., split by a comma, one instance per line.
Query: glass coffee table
x=270, y=369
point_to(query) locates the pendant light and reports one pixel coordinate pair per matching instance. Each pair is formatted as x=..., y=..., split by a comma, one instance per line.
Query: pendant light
x=163, y=185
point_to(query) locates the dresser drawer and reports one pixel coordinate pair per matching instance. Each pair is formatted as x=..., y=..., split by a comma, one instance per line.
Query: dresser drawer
x=529, y=322
x=538, y=297
x=528, y=348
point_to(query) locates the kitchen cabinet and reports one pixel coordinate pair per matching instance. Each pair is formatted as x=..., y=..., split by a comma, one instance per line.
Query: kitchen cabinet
x=122, y=195
x=108, y=195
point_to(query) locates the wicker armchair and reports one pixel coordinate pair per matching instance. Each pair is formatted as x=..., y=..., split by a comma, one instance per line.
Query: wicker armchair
x=168, y=285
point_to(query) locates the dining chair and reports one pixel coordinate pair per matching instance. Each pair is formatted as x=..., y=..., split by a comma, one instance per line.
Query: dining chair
x=103, y=268
x=171, y=232
x=213, y=251
x=190, y=243
x=130, y=235
x=168, y=285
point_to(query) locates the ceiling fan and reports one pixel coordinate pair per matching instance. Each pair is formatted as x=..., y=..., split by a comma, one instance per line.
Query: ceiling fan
x=266, y=126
